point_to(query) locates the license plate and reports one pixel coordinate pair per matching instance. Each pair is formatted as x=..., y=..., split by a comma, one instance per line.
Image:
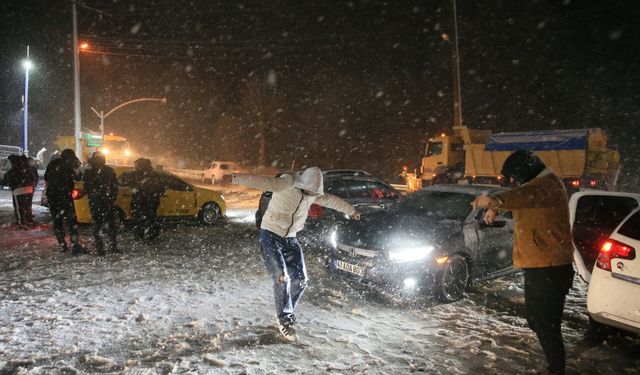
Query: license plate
x=348, y=267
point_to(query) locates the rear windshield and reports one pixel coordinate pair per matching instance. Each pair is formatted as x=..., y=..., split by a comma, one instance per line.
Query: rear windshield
x=441, y=205
x=631, y=227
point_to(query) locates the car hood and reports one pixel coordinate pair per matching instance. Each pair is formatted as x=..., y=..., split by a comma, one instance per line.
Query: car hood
x=382, y=231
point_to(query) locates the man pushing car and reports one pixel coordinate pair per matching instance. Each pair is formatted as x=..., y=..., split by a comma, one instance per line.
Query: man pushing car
x=285, y=217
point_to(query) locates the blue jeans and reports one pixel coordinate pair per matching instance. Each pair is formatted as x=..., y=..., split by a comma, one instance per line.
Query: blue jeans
x=284, y=260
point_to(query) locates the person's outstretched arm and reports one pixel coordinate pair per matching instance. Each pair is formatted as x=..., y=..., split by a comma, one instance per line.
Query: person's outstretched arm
x=263, y=182
x=335, y=203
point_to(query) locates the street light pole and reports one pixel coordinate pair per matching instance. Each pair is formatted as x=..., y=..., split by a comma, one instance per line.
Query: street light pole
x=102, y=115
x=457, y=91
x=27, y=66
x=76, y=83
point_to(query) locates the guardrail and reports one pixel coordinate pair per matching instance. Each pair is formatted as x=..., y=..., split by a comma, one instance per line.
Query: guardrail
x=192, y=174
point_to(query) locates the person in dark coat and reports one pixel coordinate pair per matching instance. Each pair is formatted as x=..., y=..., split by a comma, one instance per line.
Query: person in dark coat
x=33, y=169
x=20, y=179
x=147, y=187
x=543, y=246
x=59, y=176
x=101, y=186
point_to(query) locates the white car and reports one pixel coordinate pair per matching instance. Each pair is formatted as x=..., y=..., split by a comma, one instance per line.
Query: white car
x=218, y=169
x=606, y=231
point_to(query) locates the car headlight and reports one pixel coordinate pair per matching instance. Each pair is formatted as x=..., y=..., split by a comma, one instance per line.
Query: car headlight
x=410, y=254
x=333, y=239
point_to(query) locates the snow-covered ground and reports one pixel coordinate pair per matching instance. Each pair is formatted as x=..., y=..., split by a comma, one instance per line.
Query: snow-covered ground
x=200, y=302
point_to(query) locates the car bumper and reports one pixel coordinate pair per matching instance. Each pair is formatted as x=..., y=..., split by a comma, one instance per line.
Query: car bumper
x=402, y=278
x=612, y=301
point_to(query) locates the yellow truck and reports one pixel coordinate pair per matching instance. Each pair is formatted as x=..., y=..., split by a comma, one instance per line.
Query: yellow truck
x=116, y=148
x=580, y=157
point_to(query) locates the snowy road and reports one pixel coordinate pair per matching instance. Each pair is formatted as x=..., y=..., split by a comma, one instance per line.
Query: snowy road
x=201, y=302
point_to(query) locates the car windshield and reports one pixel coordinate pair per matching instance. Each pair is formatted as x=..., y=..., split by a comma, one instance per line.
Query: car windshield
x=439, y=204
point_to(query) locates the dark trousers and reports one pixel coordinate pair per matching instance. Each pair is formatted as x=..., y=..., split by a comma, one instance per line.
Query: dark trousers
x=62, y=210
x=22, y=208
x=146, y=224
x=284, y=260
x=104, y=215
x=545, y=290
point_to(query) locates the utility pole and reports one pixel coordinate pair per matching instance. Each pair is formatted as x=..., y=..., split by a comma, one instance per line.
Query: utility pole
x=76, y=83
x=27, y=66
x=457, y=91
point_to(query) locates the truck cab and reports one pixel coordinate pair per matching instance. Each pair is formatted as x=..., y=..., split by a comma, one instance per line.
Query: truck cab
x=443, y=156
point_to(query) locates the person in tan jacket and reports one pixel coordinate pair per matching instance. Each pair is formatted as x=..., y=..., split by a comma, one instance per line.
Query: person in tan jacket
x=543, y=246
x=284, y=218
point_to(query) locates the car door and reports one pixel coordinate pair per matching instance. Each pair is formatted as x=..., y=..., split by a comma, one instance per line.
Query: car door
x=594, y=216
x=494, y=243
x=179, y=198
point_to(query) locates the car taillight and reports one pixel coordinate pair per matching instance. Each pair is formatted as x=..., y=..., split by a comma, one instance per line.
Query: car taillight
x=613, y=249
x=75, y=194
x=575, y=184
x=593, y=183
x=315, y=211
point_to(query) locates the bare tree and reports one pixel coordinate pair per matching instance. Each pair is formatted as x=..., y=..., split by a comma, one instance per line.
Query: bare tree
x=261, y=107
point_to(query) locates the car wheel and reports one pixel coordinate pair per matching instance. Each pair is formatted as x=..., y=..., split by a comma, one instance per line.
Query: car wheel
x=454, y=279
x=209, y=214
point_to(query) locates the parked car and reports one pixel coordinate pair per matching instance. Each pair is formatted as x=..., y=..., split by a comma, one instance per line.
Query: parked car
x=433, y=242
x=366, y=192
x=606, y=230
x=180, y=201
x=5, y=165
x=219, y=169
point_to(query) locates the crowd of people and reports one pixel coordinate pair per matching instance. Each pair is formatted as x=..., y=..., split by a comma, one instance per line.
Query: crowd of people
x=101, y=187
x=542, y=235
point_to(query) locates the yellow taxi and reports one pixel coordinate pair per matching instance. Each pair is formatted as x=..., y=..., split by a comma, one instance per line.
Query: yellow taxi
x=180, y=200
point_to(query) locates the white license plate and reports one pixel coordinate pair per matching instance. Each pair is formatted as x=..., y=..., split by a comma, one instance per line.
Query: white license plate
x=351, y=268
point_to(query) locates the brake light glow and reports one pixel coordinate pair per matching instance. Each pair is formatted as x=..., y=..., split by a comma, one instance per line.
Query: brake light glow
x=613, y=249
x=315, y=211
x=75, y=194
x=575, y=184
x=593, y=183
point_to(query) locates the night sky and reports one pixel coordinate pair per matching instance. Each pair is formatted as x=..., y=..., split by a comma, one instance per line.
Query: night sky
x=342, y=83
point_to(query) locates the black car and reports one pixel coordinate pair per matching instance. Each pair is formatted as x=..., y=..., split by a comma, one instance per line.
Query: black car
x=366, y=192
x=431, y=242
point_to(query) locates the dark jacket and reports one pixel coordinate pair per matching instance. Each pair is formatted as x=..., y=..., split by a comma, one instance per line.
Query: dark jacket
x=19, y=175
x=101, y=184
x=542, y=233
x=60, y=179
x=147, y=186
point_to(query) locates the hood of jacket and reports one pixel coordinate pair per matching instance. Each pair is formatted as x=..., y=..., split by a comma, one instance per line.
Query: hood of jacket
x=310, y=180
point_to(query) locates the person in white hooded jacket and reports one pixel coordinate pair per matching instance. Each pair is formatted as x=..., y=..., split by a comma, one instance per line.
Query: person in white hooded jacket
x=285, y=217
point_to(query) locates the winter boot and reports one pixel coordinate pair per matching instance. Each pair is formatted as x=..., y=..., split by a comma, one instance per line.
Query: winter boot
x=100, y=248
x=77, y=249
x=63, y=247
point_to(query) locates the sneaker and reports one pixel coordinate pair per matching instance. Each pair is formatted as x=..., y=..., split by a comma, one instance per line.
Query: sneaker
x=288, y=332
